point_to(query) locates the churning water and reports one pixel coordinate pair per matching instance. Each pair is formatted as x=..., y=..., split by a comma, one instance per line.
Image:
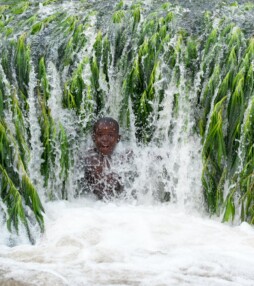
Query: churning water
x=134, y=241
x=95, y=243
x=158, y=233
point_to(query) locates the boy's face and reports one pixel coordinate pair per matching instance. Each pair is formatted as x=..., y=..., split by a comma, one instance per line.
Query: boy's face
x=106, y=137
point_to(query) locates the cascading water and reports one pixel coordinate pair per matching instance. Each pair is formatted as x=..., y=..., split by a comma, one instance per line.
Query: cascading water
x=179, y=79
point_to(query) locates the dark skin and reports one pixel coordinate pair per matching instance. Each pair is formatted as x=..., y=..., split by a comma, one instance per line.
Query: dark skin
x=102, y=182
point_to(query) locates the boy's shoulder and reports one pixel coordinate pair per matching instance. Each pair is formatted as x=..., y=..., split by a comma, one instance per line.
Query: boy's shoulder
x=91, y=157
x=91, y=152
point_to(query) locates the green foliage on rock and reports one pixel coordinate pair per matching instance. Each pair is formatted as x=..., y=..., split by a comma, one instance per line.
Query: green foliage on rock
x=145, y=53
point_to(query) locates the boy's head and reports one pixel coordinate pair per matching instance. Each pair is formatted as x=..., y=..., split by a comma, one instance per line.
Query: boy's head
x=106, y=135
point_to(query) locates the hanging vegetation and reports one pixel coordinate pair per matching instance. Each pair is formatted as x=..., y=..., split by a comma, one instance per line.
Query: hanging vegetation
x=143, y=52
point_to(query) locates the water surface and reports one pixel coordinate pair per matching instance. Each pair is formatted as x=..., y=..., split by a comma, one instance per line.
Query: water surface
x=97, y=243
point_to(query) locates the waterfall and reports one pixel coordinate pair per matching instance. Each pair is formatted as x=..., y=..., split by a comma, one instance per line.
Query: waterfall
x=35, y=143
x=180, y=85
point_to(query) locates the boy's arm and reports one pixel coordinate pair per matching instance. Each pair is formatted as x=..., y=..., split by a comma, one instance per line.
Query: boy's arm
x=99, y=182
x=92, y=180
x=103, y=185
x=93, y=169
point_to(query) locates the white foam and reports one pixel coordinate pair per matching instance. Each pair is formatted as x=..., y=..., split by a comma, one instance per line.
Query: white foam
x=93, y=243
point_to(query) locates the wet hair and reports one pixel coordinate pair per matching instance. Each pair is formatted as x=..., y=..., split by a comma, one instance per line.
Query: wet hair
x=106, y=120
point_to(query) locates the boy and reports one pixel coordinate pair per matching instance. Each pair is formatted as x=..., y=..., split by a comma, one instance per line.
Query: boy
x=98, y=174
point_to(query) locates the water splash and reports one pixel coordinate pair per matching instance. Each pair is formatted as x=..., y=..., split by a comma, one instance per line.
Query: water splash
x=139, y=63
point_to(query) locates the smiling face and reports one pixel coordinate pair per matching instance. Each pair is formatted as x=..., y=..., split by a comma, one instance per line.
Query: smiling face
x=106, y=136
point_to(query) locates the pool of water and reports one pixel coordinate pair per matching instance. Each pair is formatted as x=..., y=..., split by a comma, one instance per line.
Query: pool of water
x=96, y=243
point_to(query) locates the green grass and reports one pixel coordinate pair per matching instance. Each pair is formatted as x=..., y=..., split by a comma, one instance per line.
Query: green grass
x=138, y=54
